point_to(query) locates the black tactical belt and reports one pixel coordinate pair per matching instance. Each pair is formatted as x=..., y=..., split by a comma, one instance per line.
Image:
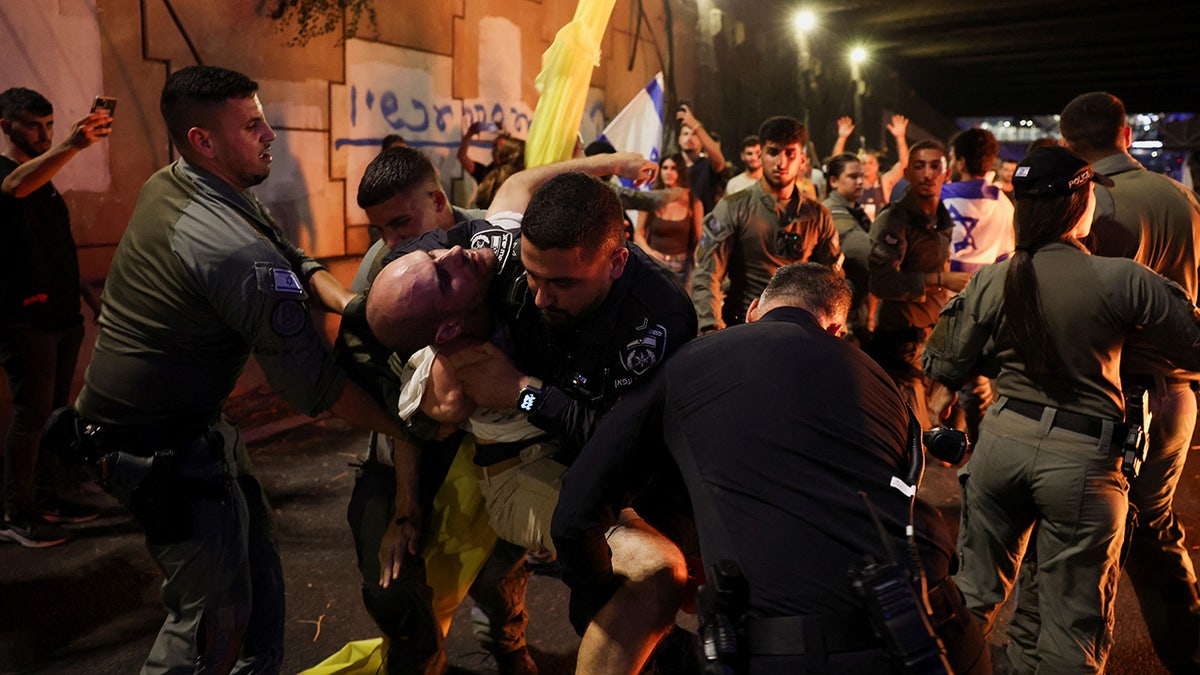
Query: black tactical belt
x=1080, y=424
x=144, y=440
x=808, y=634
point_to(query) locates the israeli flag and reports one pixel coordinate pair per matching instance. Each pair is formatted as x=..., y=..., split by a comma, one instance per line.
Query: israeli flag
x=639, y=126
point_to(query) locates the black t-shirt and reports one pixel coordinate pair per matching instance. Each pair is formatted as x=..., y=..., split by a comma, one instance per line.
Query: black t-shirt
x=703, y=182
x=480, y=172
x=39, y=270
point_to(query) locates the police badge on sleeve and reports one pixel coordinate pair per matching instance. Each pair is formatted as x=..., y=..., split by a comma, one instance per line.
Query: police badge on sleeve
x=640, y=355
x=503, y=243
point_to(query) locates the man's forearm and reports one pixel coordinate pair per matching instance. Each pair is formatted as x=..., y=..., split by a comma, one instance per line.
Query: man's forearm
x=516, y=192
x=356, y=407
x=406, y=458
x=711, y=148
x=329, y=291
x=28, y=177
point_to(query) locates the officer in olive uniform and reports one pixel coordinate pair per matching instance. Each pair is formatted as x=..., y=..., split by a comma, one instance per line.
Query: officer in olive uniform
x=1154, y=220
x=909, y=273
x=202, y=278
x=752, y=233
x=1049, y=452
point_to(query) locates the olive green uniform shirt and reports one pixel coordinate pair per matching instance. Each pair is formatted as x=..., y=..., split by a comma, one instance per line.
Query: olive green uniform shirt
x=1090, y=304
x=202, y=278
x=1154, y=220
x=745, y=239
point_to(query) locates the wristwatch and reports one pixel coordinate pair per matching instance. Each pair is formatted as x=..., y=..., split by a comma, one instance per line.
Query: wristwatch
x=530, y=396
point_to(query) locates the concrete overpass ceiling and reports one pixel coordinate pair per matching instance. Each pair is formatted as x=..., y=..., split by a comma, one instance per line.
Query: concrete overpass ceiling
x=1026, y=57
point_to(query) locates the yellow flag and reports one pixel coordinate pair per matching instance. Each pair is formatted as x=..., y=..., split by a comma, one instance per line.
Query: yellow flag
x=563, y=83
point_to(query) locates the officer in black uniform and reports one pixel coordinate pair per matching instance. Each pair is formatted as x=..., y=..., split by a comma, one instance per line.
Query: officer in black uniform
x=777, y=427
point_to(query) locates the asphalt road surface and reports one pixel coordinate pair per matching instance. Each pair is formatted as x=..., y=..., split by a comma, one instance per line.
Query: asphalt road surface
x=92, y=604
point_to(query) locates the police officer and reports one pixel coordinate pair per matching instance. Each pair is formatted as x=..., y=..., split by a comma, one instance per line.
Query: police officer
x=1053, y=320
x=1154, y=220
x=588, y=315
x=201, y=279
x=776, y=427
x=910, y=273
x=750, y=234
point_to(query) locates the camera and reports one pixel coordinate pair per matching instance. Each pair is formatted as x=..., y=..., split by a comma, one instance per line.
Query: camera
x=948, y=445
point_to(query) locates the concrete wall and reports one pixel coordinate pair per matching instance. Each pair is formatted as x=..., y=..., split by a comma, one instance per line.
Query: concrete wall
x=425, y=70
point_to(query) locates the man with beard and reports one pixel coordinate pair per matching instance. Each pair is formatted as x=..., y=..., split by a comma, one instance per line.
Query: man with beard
x=751, y=234
x=585, y=316
x=40, y=326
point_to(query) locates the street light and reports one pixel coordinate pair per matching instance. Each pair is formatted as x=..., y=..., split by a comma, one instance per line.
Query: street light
x=858, y=56
x=804, y=21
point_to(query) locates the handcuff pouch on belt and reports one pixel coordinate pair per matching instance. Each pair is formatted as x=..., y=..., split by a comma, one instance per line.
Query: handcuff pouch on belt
x=1137, y=419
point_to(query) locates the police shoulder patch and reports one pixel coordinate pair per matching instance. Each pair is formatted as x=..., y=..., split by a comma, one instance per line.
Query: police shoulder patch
x=503, y=243
x=640, y=355
x=289, y=318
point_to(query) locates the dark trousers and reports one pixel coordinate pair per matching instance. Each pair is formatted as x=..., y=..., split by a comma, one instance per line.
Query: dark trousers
x=209, y=528
x=403, y=611
x=898, y=352
x=40, y=366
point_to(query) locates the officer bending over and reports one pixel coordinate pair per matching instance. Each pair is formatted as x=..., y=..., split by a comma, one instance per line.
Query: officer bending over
x=777, y=426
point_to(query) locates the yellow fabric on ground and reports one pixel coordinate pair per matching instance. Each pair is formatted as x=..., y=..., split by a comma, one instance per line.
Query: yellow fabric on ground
x=460, y=541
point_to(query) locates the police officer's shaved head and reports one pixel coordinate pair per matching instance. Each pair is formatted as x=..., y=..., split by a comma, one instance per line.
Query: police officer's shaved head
x=1093, y=122
x=395, y=170
x=813, y=287
x=190, y=96
x=574, y=210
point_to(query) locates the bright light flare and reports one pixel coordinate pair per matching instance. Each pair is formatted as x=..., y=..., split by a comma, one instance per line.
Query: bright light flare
x=804, y=20
x=858, y=55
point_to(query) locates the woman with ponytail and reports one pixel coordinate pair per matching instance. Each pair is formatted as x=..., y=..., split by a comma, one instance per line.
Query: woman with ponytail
x=1049, y=324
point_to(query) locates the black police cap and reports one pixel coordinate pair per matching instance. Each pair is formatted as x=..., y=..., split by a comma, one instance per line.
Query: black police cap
x=1053, y=172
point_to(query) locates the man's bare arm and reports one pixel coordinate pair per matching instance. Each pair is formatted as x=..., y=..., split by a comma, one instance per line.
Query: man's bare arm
x=35, y=173
x=711, y=147
x=515, y=193
x=329, y=291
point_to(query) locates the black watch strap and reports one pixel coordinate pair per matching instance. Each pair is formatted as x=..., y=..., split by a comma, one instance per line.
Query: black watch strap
x=531, y=396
